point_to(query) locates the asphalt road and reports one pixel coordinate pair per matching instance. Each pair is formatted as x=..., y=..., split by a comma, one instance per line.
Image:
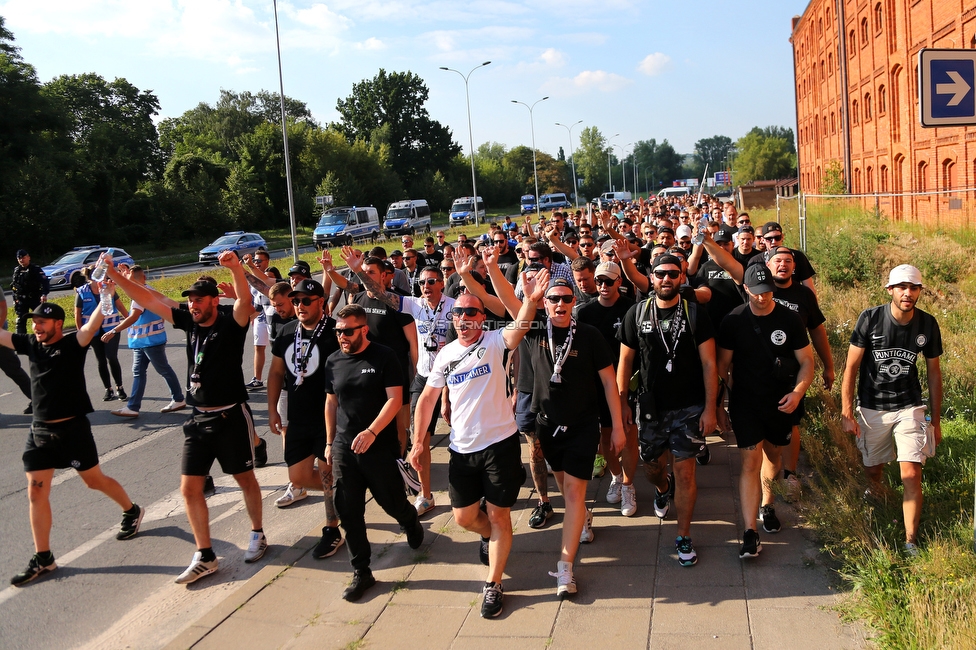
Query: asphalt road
x=108, y=593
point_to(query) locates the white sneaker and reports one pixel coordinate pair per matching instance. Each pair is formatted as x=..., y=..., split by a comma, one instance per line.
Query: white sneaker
x=173, y=406
x=613, y=492
x=256, y=547
x=586, y=535
x=291, y=495
x=628, y=500
x=125, y=412
x=423, y=504
x=197, y=569
x=565, y=580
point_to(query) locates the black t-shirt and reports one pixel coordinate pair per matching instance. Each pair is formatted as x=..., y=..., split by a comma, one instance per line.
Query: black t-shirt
x=576, y=399
x=888, y=377
x=306, y=402
x=430, y=259
x=684, y=384
x=359, y=382
x=744, y=259
x=221, y=351
x=524, y=377
x=801, y=301
x=726, y=294
x=276, y=323
x=753, y=370
x=57, y=373
x=607, y=320
x=386, y=326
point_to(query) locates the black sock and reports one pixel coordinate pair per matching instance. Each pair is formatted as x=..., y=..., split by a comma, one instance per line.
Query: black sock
x=207, y=554
x=257, y=530
x=45, y=557
x=134, y=510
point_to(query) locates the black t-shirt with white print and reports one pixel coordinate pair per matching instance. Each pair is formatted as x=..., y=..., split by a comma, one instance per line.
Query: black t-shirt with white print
x=888, y=377
x=306, y=402
x=803, y=302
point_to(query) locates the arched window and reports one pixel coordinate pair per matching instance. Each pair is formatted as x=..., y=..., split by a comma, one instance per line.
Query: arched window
x=867, y=107
x=827, y=16
x=820, y=27
x=854, y=113
x=884, y=178
x=892, y=27
x=825, y=126
x=852, y=43
x=869, y=180
x=830, y=63
x=948, y=174
x=857, y=180
x=878, y=18
x=920, y=176
x=895, y=99
x=823, y=70
x=864, y=32
x=882, y=100
x=833, y=123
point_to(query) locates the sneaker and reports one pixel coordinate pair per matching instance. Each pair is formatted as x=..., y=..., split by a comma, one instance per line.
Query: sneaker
x=491, y=606
x=540, y=515
x=565, y=580
x=254, y=384
x=704, y=456
x=415, y=537
x=261, y=453
x=108, y=396
x=33, y=571
x=586, y=535
x=750, y=544
x=30, y=409
x=628, y=500
x=328, y=545
x=208, y=485
x=423, y=504
x=910, y=550
x=173, y=406
x=125, y=412
x=197, y=569
x=770, y=522
x=662, y=502
x=256, y=546
x=130, y=523
x=686, y=551
x=599, y=466
x=291, y=495
x=613, y=492
x=483, y=551
x=120, y=393
x=362, y=579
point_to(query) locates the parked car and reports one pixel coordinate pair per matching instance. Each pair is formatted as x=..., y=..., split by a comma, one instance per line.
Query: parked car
x=240, y=242
x=65, y=271
x=344, y=225
x=407, y=217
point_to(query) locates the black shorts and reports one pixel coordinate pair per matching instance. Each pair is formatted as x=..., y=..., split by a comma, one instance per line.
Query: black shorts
x=495, y=473
x=754, y=424
x=800, y=411
x=524, y=417
x=302, y=442
x=676, y=430
x=60, y=445
x=416, y=388
x=227, y=436
x=569, y=448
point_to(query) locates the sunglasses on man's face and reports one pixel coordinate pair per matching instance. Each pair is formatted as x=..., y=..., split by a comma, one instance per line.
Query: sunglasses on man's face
x=306, y=301
x=565, y=298
x=674, y=275
x=410, y=257
x=605, y=281
x=743, y=221
x=347, y=331
x=534, y=260
x=470, y=312
x=429, y=281
x=773, y=238
x=499, y=242
x=586, y=244
x=447, y=268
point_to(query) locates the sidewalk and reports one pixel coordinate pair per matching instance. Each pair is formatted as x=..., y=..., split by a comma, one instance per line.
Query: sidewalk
x=632, y=592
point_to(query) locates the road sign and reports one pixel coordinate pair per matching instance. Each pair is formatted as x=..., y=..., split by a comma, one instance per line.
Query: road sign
x=947, y=87
x=722, y=178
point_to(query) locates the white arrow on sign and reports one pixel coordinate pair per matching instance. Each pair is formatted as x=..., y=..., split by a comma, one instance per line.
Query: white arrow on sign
x=958, y=88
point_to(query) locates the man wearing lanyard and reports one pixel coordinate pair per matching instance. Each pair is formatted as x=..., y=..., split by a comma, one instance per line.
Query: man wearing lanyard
x=221, y=426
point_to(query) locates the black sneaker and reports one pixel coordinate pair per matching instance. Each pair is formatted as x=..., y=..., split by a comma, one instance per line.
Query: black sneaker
x=130, y=523
x=109, y=395
x=750, y=544
x=254, y=384
x=208, y=485
x=33, y=571
x=120, y=393
x=261, y=453
x=483, y=550
x=540, y=515
x=662, y=500
x=491, y=606
x=362, y=579
x=329, y=544
x=770, y=522
x=704, y=456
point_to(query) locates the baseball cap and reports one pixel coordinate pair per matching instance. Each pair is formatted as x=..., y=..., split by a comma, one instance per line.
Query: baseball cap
x=560, y=282
x=397, y=253
x=664, y=229
x=722, y=236
x=202, y=288
x=904, y=273
x=48, y=310
x=758, y=279
x=748, y=229
x=22, y=253
x=607, y=246
x=778, y=250
x=300, y=270
x=311, y=287
x=682, y=231
x=771, y=226
x=607, y=270
x=665, y=258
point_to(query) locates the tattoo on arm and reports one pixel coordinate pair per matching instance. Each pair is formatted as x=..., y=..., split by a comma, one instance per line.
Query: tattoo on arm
x=374, y=288
x=257, y=283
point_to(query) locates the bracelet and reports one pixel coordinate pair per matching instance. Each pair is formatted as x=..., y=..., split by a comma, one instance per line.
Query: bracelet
x=371, y=431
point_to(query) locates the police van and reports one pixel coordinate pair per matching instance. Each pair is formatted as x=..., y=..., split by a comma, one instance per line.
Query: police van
x=463, y=211
x=554, y=201
x=407, y=217
x=342, y=226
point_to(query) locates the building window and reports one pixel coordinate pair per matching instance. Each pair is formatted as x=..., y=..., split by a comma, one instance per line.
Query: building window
x=867, y=107
x=948, y=171
x=920, y=184
x=884, y=178
x=854, y=113
x=892, y=27
x=852, y=43
x=833, y=123
x=869, y=180
x=857, y=180
x=825, y=126
x=972, y=42
x=864, y=32
x=827, y=15
x=882, y=100
x=823, y=70
x=820, y=27
x=830, y=63
x=895, y=99
x=878, y=18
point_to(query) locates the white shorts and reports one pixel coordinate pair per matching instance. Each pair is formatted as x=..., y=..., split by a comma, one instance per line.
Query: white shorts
x=884, y=432
x=262, y=335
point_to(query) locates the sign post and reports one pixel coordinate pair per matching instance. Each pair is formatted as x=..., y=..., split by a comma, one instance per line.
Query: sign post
x=947, y=87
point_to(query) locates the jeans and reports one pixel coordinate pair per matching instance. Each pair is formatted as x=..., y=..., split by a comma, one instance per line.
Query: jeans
x=141, y=358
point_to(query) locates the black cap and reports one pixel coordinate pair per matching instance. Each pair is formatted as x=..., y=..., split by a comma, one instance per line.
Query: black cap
x=665, y=258
x=534, y=266
x=202, y=288
x=747, y=228
x=22, y=253
x=664, y=229
x=758, y=279
x=722, y=236
x=300, y=270
x=771, y=226
x=778, y=250
x=48, y=310
x=311, y=287
x=560, y=282
x=397, y=253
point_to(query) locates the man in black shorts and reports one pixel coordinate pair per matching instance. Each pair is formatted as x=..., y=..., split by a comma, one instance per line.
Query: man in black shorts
x=60, y=435
x=298, y=367
x=677, y=392
x=363, y=385
x=766, y=347
x=221, y=426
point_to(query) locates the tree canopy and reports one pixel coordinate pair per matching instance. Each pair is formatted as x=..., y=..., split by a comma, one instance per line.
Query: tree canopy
x=765, y=154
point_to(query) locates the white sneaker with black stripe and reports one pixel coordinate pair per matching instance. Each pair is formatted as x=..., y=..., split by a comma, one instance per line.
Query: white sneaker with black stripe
x=197, y=569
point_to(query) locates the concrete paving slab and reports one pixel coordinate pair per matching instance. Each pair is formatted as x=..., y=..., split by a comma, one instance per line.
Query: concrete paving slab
x=412, y=626
x=327, y=636
x=718, y=566
x=680, y=609
x=611, y=628
x=525, y=615
x=805, y=628
x=508, y=642
x=442, y=585
x=709, y=642
x=612, y=587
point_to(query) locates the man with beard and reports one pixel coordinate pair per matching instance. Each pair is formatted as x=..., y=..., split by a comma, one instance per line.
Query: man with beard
x=297, y=366
x=221, y=427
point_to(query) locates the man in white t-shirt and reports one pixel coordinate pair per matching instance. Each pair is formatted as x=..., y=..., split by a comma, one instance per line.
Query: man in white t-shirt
x=486, y=453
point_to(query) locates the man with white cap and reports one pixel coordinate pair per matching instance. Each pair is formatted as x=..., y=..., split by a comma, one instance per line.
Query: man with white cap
x=889, y=420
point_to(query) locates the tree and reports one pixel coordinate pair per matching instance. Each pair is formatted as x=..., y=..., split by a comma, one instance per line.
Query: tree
x=396, y=101
x=659, y=163
x=712, y=152
x=591, y=161
x=764, y=154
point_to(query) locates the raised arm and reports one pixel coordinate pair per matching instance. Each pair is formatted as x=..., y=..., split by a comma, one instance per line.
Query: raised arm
x=465, y=264
x=354, y=259
x=242, y=303
x=626, y=258
x=535, y=289
x=88, y=331
x=142, y=295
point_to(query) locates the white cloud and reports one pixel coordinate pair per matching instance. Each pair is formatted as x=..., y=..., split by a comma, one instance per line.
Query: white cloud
x=586, y=81
x=371, y=43
x=553, y=57
x=654, y=64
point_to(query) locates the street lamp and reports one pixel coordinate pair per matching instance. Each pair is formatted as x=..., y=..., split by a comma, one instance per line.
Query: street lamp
x=572, y=158
x=623, y=166
x=535, y=171
x=609, y=151
x=284, y=135
x=467, y=99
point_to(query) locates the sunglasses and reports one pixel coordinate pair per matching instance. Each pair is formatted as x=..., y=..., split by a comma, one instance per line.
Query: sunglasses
x=674, y=275
x=609, y=253
x=743, y=221
x=571, y=242
x=410, y=257
x=347, y=331
x=470, y=312
x=605, y=281
x=774, y=238
x=306, y=301
x=447, y=268
x=534, y=260
x=429, y=281
x=586, y=244
x=565, y=298
x=498, y=242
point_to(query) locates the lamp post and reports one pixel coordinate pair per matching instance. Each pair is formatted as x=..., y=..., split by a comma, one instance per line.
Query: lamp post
x=623, y=166
x=284, y=135
x=535, y=171
x=609, y=174
x=467, y=100
x=572, y=158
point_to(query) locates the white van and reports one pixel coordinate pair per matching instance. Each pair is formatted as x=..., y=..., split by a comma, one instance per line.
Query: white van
x=342, y=226
x=616, y=196
x=554, y=201
x=673, y=192
x=407, y=217
x=463, y=211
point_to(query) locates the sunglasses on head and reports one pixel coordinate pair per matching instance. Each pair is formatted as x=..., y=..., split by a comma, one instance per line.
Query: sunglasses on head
x=306, y=301
x=565, y=298
x=674, y=275
x=347, y=331
x=470, y=312
x=773, y=237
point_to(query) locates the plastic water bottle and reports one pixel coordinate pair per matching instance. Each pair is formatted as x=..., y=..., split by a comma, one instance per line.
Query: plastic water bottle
x=105, y=300
x=102, y=268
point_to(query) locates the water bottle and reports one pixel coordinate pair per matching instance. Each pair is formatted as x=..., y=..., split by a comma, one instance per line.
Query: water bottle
x=102, y=268
x=106, y=300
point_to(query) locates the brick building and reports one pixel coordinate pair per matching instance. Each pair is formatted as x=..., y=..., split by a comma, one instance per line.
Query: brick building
x=855, y=65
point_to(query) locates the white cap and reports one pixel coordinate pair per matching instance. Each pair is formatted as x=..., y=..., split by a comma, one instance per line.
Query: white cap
x=682, y=231
x=904, y=273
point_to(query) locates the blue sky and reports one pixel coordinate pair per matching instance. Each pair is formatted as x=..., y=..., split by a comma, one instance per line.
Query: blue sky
x=643, y=69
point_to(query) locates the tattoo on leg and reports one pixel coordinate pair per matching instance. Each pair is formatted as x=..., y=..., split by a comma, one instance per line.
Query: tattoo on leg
x=537, y=463
x=329, y=488
x=36, y=484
